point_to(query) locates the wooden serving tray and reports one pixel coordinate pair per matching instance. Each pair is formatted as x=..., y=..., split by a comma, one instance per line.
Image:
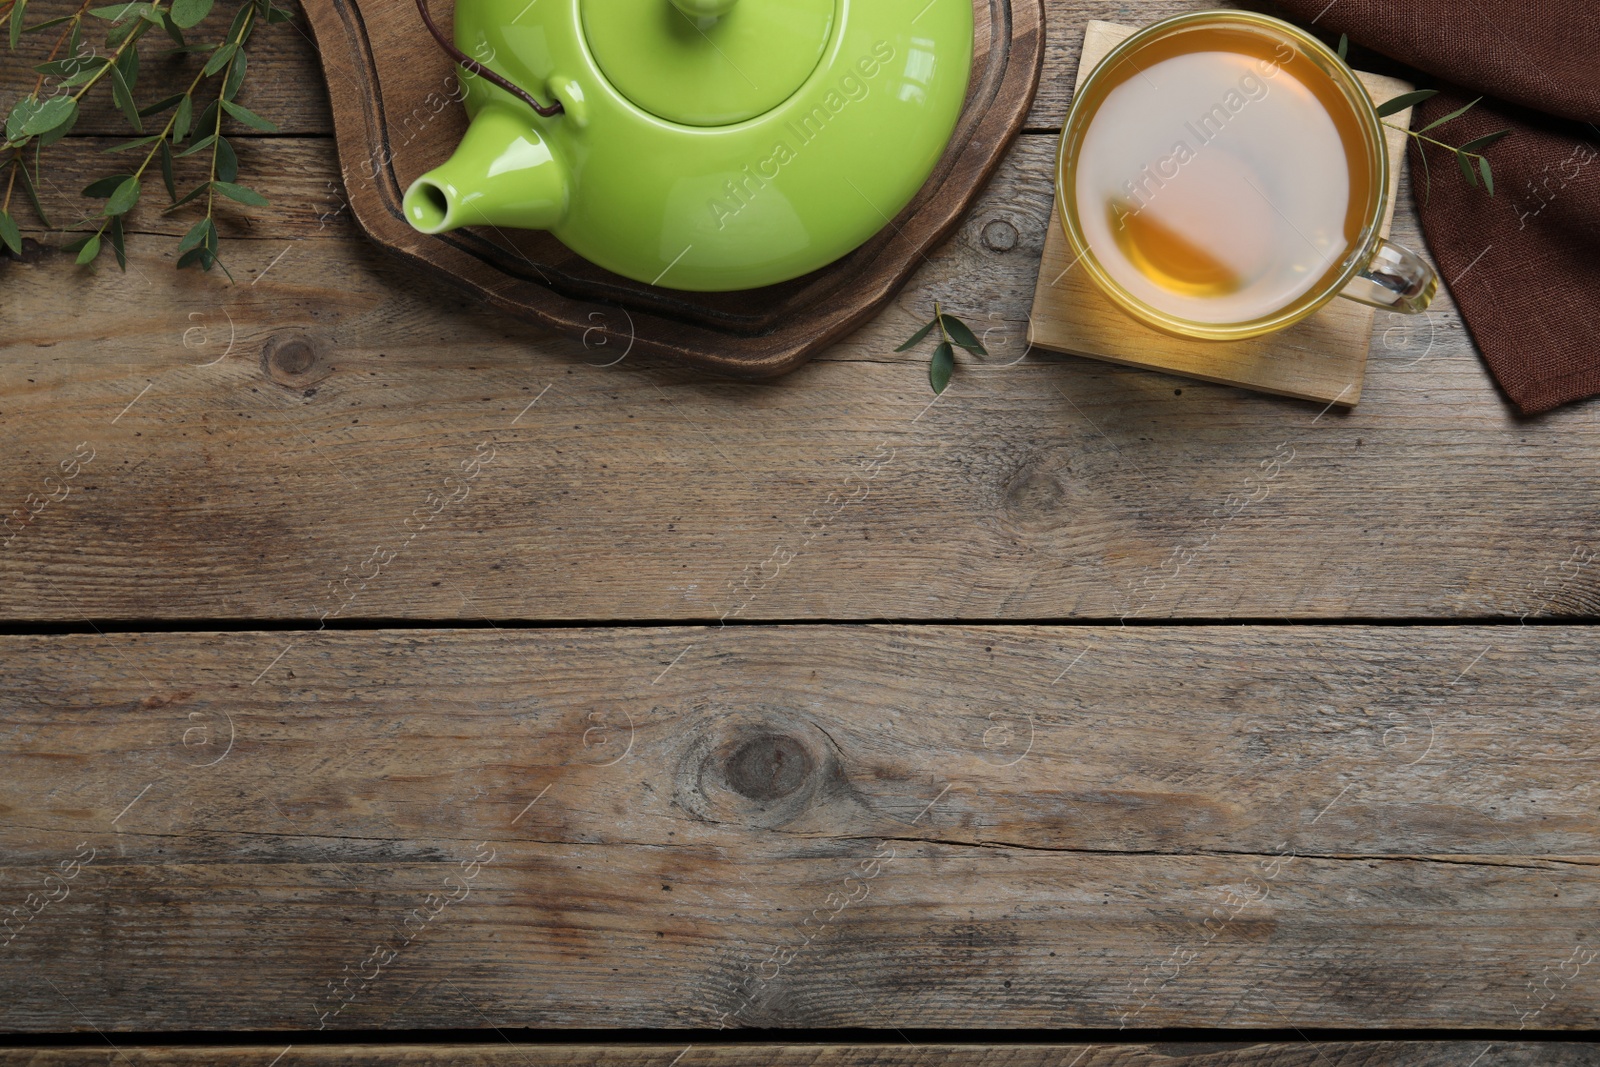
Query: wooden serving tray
x=394, y=115
x=1323, y=358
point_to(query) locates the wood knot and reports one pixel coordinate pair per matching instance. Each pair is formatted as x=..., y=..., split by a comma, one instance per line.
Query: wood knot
x=769, y=766
x=758, y=766
x=999, y=236
x=1034, y=498
x=293, y=361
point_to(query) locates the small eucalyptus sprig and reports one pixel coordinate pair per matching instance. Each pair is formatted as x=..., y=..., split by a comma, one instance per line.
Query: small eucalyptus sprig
x=954, y=332
x=38, y=120
x=1469, y=156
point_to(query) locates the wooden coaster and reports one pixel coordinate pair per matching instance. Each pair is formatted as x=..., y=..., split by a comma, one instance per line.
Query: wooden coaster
x=396, y=113
x=1322, y=358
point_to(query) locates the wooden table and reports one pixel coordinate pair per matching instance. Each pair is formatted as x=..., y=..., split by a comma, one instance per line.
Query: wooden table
x=389, y=666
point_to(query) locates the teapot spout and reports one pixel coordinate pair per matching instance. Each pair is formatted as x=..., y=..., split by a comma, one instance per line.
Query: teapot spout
x=503, y=174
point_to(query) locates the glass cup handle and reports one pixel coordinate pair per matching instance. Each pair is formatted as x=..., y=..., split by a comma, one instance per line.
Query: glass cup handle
x=1395, y=279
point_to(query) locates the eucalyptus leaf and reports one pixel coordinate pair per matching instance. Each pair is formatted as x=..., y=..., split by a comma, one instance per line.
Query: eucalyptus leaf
x=84, y=73
x=962, y=335
x=128, y=66
x=1344, y=47
x=62, y=67
x=193, y=256
x=161, y=105
x=115, y=12
x=171, y=29
x=124, y=198
x=243, y=194
x=52, y=113
x=1466, y=169
x=10, y=236
x=60, y=129
x=122, y=31
x=47, y=23
x=208, y=116
x=1457, y=113
x=50, y=137
x=1488, y=175
x=30, y=117
x=180, y=121
x=189, y=13
x=219, y=59
x=166, y=172
x=226, y=162
x=21, y=113
x=29, y=187
x=122, y=95
x=104, y=187
x=248, y=117
x=239, y=30
x=1480, y=143
x=917, y=337
x=198, y=146
x=196, y=237
x=16, y=22
x=115, y=235
x=190, y=195
x=235, y=78
x=90, y=249
x=943, y=365
x=137, y=142
x=1405, y=100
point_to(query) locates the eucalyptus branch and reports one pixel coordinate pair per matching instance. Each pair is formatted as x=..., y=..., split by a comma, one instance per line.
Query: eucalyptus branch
x=954, y=333
x=41, y=121
x=74, y=21
x=1469, y=157
x=130, y=41
x=211, y=181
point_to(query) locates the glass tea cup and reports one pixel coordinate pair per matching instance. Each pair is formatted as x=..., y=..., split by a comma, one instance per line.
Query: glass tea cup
x=1321, y=95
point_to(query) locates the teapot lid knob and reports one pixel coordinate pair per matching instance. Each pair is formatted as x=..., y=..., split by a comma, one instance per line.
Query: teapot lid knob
x=701, y=9
x=709, y=62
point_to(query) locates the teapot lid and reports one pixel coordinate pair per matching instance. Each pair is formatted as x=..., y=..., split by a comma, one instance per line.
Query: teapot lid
x=707, y=62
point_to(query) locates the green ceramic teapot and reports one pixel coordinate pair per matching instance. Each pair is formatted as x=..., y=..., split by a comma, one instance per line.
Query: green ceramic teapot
x=699, y=144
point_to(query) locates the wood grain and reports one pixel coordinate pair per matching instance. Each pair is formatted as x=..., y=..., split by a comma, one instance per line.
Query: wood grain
x=1171, y=1054
x=1206, y=826
x=1080, y=816
x=1323, y=358
x=239, y=486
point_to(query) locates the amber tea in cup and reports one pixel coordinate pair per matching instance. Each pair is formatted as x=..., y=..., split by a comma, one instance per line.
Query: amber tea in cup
x=1224, y=174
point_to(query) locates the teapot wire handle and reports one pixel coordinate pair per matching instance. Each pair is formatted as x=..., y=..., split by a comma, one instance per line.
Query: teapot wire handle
x=466, y=61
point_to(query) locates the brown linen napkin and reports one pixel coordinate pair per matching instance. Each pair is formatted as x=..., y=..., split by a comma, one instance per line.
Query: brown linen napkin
x=1523, y=265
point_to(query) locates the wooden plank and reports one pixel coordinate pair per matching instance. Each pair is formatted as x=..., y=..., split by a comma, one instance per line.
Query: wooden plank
x=1170, y=1054
x=300, y=176
x=821, y=826
x=1321, y=359
x=1056, y=487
